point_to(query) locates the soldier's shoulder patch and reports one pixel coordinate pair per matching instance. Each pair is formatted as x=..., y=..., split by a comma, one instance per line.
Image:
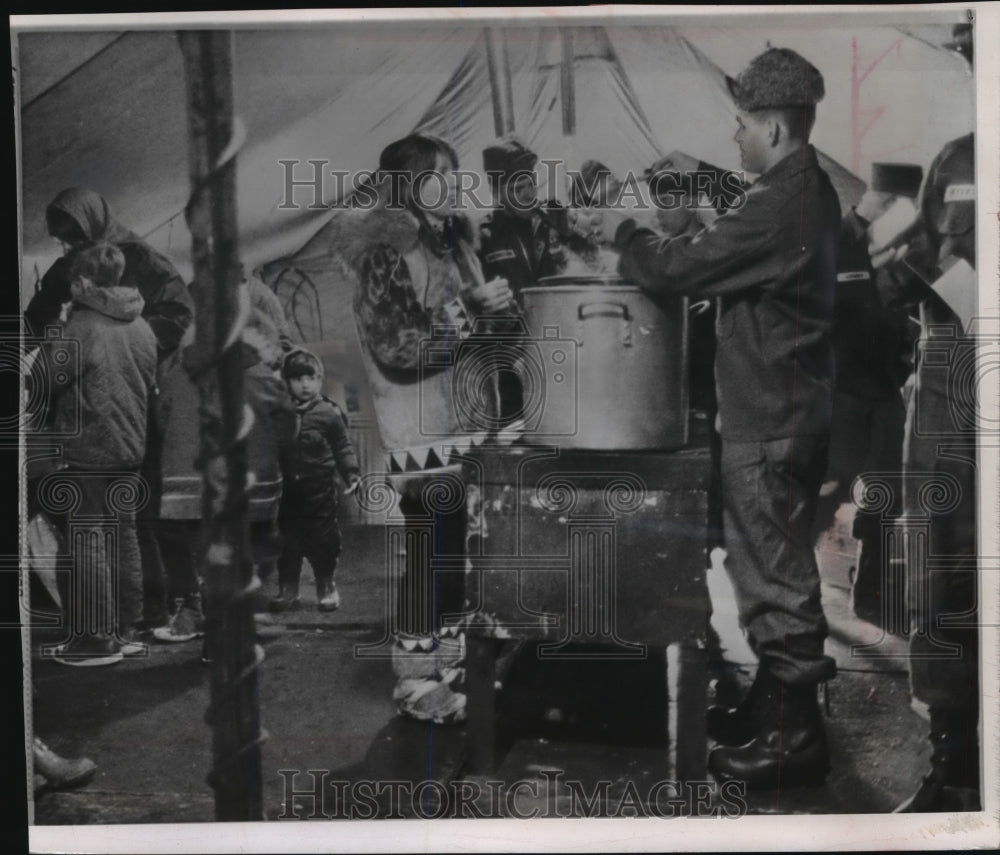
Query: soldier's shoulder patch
x=854, y=276
x=500, y=255
x=960, y=193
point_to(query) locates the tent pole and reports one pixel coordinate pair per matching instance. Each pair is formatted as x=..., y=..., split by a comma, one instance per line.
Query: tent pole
x=508, y=87
x=215, y=362
x=498, y=65
x=567, y=85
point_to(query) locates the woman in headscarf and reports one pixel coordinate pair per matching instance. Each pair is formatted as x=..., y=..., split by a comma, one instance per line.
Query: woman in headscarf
x=77, y=217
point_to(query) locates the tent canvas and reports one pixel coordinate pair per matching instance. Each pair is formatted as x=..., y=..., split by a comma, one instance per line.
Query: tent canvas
x=107, y=109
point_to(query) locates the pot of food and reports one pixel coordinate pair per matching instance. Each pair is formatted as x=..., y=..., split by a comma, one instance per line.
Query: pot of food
x=612, y=365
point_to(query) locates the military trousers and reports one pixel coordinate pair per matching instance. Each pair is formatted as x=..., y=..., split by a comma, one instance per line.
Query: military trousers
x=769, y=495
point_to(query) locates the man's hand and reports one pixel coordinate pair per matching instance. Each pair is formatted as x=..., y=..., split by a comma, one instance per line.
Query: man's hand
x=676, y=161
x=490, y=298
x=707, y=215
x=874, y=204
x=604, y=223
x=882, y=257
x=353, y=480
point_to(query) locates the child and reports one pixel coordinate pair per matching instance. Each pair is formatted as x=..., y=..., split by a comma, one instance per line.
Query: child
x=102, y=409
x=308, y=515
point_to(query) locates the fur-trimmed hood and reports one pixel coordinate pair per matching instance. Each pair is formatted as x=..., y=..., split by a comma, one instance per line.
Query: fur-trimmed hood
x=353, y=232
x=118, y=302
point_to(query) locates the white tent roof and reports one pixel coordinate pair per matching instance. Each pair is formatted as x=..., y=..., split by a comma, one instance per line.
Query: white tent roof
x=107, y=110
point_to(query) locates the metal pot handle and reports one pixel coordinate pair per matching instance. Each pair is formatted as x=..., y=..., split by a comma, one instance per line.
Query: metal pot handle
x=604, y=309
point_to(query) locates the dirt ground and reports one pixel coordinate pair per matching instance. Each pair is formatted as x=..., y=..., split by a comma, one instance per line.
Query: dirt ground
x=326, y=708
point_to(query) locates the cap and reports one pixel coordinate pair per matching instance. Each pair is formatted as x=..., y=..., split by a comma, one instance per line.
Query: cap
x=593, y=184
x=961, y=40
x=777, y=78
x=900, y=179
x=508, y=155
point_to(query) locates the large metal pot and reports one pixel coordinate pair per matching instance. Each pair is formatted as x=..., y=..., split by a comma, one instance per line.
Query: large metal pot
x=613, y=365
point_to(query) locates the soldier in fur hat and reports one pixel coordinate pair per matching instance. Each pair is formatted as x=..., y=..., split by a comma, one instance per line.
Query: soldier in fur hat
x=771, y=263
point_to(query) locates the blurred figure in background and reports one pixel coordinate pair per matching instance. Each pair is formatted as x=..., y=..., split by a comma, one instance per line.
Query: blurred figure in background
x=179, y=527
x=866, y=434
x=940, y=454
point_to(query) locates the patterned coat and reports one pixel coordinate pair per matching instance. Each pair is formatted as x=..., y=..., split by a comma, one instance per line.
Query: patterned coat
x=409, y=282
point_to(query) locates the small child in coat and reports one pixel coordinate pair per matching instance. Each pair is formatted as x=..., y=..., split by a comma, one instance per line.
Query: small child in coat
x=308, y=515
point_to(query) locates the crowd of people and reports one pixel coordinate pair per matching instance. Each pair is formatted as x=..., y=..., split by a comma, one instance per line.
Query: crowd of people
x=809, y=334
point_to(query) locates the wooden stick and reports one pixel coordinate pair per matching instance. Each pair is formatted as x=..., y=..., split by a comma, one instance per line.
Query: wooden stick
x=216, y=363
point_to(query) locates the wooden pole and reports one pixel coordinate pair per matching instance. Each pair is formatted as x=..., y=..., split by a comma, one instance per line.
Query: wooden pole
x=215, y=362
x=508, y=86
x=501, y=90
x=567, y=84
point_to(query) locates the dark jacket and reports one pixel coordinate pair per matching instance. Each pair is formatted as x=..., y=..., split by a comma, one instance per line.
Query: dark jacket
x=101, y=410
x=772, y=264
x=168, y=306
x=944, y=230
x=323, y=445
x=523, y=250
x=867, y=338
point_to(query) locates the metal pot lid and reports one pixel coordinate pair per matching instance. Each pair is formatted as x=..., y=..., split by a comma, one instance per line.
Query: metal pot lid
x=591, y=279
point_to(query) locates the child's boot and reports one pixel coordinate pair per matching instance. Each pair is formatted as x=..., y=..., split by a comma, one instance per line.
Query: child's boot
x=327, y=595
x=287, y=599
x=425, y=671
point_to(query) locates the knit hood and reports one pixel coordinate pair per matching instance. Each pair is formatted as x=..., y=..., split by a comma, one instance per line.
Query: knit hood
x=118, y=302
x=311, y=357
x=317, y=363
x=91, y=212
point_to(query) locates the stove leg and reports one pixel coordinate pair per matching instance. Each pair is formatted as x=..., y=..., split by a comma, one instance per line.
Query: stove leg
x=687, y=691
x=481, y=729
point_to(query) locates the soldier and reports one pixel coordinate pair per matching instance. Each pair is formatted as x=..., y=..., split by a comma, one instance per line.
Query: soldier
x=520, y=241
x=866, y=435
x=940, y=448
x=772, y=265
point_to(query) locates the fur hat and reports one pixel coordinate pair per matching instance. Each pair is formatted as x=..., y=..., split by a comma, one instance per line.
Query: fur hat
x=507, y=156
x=775, y=79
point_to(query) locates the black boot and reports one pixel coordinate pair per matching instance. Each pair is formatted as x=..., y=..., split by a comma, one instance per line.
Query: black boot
x=953, y=781
x=738, y=725
x=789, y=750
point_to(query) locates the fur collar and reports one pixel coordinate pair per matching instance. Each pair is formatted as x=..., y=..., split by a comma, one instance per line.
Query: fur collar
x=352, y=232
x=119, y=302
